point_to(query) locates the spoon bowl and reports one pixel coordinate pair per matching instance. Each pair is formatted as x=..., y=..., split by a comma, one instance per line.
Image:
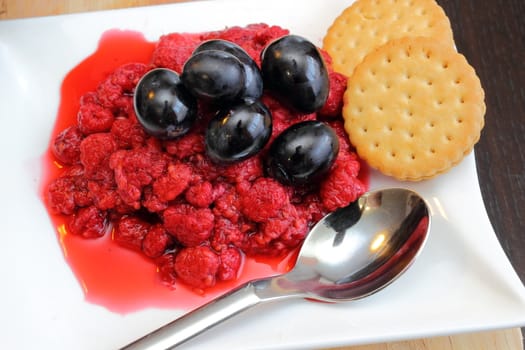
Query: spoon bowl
x=351, y=253
x=360, y=249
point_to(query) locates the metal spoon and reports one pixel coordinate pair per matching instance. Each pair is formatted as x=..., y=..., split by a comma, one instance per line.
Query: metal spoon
x=351, y=253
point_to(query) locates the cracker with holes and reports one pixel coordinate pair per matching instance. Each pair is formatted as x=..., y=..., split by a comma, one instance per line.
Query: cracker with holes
x=367, y=24
x=414, y=108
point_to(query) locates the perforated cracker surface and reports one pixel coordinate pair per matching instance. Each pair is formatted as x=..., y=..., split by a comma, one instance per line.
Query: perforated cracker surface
x=367, y=24
x=414, y=108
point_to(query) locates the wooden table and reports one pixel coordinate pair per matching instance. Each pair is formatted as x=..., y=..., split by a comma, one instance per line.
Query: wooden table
x=490, y=33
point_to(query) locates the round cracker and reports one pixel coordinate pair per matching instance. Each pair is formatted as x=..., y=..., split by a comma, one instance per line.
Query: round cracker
x=414, y=108
x=367, y=24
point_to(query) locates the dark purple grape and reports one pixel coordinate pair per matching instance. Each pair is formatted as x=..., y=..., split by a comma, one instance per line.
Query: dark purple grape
x=214, y=75
x=303, y=153
x=163, y=106
x=253, y=83
x=293, y=68
x=238, y=132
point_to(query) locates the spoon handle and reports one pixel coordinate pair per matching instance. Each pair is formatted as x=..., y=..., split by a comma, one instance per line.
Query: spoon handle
x=198, y=320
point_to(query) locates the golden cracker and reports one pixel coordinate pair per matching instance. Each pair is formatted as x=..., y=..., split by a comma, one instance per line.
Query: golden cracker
x=367, y=24
x=414, y=108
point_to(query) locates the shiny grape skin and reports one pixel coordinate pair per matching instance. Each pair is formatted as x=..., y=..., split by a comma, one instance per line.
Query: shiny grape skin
x=253, y=84
x=294, y=69
x=214, y=76
x=162, y=104
x=302, y=154
x=238, y=132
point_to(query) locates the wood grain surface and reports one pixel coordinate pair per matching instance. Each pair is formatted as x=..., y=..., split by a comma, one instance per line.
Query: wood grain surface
x=491, y=34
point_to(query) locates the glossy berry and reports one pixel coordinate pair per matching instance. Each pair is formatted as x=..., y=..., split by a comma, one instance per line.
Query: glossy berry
x=293, y=68
x=253, y=83
x=214, y=75
x=238, y=132
x=303, y=153
x=163, y=106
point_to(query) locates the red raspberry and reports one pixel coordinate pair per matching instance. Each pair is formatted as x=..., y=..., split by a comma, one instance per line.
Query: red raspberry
x=228, y=205
x=128, y=133
x=197, y=266
x=341, y=186
x=264, y=200
x=60, y=195
x=334, y=103
x=282, y=116
x=108, y=93
x=186, y=146
x=344, y=142
x=263, y=37
x=189, y=225
x=93, y=118
x=311, y=208
x=95, y=151
x=252, y=38
x=103, y=194
x=172, y=184
x=231, y=260
x=67, y=145
x=112, y=92
x=128, y=75
x=173, y=50
x=81, y=194
x=69, y=192
x=203, y=167
x=124, y=107
x=200, y=195
x=166, y=269
x=135, y=169
x=247, y=170
x=279, y=234
x=151, y=202
x=156, y=241
x=89, y=97
x=226, y=233
x=130, y=232
x=89, y=222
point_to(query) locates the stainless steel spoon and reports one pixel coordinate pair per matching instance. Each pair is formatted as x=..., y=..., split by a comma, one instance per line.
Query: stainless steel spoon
x=351, y=253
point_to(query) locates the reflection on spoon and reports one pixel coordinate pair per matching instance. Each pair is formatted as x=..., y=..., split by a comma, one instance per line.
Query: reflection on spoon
x=351, y=253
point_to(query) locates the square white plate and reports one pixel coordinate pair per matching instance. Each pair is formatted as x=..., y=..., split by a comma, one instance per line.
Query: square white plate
x=461, y=282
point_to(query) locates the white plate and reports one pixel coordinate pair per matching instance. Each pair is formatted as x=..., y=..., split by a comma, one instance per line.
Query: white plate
x=461, y=282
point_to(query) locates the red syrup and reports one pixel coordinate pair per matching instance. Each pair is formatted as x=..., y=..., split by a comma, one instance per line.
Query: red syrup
x=116, y=278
